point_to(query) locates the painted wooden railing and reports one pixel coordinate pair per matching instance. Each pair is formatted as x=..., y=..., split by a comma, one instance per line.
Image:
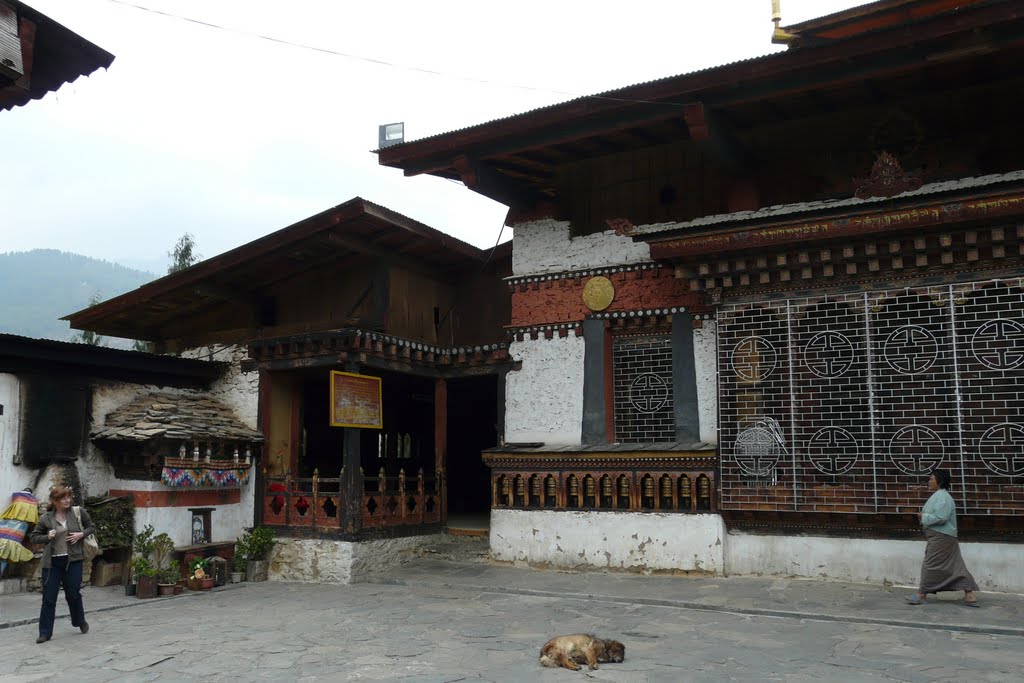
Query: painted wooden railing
x=634, y=481
x=317, y=502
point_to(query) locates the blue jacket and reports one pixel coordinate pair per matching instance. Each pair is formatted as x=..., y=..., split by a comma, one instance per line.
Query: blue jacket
x=939, y=513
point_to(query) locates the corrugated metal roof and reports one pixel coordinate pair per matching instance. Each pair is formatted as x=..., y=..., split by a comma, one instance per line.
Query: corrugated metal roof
x=617, y=94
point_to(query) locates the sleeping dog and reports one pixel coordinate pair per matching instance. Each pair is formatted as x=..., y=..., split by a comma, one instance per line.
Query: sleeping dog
x=581, y=648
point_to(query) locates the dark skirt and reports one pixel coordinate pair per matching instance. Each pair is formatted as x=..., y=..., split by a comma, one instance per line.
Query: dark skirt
x=944, y=568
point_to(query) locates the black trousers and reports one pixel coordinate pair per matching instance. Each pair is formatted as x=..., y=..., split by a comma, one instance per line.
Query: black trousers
x=68, y=574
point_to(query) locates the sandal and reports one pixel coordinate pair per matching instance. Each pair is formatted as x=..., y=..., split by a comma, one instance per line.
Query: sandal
x=971, y=603
x=914, y=599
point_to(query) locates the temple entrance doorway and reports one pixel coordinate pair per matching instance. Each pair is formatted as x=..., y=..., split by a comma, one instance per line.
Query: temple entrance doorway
x=472, y=427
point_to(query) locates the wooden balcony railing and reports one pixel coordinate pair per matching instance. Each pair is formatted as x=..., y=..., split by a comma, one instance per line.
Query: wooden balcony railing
x=316, y=502
x=584, y=481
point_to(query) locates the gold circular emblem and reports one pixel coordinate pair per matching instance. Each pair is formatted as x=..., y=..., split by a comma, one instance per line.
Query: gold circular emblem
x=598, y=293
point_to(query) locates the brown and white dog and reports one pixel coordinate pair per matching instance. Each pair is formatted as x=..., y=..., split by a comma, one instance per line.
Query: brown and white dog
x=581, y=648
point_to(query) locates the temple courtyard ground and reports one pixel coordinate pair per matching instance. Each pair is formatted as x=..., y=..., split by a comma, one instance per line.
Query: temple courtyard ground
x=437, y=620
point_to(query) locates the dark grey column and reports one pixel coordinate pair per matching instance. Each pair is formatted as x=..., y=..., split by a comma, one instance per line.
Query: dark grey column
x=684, y=379
x=594, y=382
x=352, y=483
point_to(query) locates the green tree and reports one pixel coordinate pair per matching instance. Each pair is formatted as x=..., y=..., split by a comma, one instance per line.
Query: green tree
x=184, y=254
x=88, y=336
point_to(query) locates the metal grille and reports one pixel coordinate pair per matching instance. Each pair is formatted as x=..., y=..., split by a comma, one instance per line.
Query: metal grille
x=643, y=389
x=847, y=403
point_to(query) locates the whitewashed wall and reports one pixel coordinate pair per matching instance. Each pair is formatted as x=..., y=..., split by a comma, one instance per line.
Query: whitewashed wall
x=705, y=351
x=544, y=399
x=622, y=540
x=226, y=520
x=995, y=566
x=241, y=392
x=545, y=246
x=235, y=389
x=12, y=477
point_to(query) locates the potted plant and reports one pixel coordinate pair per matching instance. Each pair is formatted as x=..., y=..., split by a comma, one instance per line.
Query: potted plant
x=238, y=562
x=142, y=566
x=168, y=579
x=258, y=544
x=198, y=578
x=166, y=568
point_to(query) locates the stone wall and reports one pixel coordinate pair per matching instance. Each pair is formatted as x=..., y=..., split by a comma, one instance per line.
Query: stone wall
x=340, y=562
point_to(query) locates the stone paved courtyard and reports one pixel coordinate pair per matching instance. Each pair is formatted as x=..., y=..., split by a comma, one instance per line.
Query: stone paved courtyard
x=419, y=625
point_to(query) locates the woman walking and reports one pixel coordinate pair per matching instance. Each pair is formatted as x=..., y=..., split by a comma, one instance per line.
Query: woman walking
x=944, y=568
x=62, y=531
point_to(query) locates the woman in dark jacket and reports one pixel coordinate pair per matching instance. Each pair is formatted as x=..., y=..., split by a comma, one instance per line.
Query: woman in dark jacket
x=61, y=532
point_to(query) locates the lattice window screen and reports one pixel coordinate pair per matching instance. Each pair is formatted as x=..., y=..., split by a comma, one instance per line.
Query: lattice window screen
x=846, y=403
x=644, y=409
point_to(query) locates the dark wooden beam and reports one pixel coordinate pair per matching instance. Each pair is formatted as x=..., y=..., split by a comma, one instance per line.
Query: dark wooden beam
x=714, y=138
x=493, y=184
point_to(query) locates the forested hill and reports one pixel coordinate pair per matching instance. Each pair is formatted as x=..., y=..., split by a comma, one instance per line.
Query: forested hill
x=38, y=287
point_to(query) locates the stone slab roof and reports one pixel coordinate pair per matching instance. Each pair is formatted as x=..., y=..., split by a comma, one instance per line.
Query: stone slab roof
x=174, y=417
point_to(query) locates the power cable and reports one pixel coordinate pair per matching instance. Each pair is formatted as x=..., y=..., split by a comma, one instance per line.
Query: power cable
x=382, y=62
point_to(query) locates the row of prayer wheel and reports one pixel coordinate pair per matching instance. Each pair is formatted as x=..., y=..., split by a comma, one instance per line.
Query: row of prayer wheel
x=683, y=492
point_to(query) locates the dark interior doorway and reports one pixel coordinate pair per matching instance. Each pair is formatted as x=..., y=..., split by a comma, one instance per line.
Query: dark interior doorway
x=472, y=427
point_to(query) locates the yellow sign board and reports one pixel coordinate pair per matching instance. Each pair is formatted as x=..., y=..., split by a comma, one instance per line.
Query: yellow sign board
x=356, y=401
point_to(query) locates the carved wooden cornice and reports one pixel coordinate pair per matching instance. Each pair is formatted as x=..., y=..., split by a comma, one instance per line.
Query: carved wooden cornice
x=941, y=254
x=611, y=460
x=356, y=344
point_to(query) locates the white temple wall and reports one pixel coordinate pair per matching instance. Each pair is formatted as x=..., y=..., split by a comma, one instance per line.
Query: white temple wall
x=544, y=399
x=545, y=246
x=620, y=540
x=650, y=542
x=705, y=352
x=13, y=477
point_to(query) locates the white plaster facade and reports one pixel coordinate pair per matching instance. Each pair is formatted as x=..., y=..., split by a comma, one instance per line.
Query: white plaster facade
x=341, y=562
x=96, y=474
x=13, y=477
x=545, y=246
x=705, y=352
x=995, y=566
x=609, y=540
x=650, y=542
x=544, y=398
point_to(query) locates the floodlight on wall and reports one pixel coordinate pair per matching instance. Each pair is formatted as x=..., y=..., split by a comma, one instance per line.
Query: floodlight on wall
x=391, y=134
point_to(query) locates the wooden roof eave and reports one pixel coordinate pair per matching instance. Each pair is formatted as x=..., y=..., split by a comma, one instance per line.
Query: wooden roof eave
x=848, y=59
x=206, y=272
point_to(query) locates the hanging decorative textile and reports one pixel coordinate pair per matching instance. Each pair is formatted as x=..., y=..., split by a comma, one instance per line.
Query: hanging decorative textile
x=24, y=507
x=14, y=520
x=180, y=473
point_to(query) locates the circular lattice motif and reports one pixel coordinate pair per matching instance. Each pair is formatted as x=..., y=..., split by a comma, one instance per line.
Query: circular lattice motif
x=648, y=393
x=999, y=344
x=757, y=451
x=1001, y=448
x=828, y=354
x=833, y=450
x=916, y=450
x=754, y=358
x=911, y=350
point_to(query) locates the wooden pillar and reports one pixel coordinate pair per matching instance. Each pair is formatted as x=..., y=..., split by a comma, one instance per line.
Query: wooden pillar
x=259, y=465
x=441, y=443
x=352, y=479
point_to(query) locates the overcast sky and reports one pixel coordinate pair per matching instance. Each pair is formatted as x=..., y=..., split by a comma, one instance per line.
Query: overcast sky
x=230, y=136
